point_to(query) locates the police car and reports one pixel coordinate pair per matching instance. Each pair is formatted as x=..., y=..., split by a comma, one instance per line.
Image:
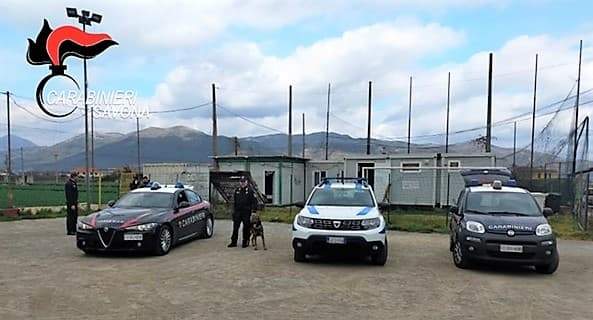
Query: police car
x=150, y=219
x=497, y=222
x=340, y=214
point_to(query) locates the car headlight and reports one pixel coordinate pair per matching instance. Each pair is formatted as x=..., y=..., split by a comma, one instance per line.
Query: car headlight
x=476, y=227
x=543, y=230
x=370, y=223
x=305, y=222
x=143, y=227
x=83, y=226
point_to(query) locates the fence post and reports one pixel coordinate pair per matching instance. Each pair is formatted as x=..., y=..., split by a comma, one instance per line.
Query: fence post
x=99, y=187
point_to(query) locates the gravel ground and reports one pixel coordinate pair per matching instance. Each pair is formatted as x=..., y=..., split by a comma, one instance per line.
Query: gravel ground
x=44, y=276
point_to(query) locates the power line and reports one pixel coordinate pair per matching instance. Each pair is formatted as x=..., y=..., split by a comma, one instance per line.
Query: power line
x=40, y=117
x=249, y=120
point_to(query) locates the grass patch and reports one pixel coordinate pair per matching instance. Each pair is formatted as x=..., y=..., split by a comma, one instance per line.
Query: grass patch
x=41, y=214
x=565, y=227
x=425, y=223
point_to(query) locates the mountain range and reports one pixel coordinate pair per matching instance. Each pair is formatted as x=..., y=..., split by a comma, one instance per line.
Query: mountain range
x=183, y=144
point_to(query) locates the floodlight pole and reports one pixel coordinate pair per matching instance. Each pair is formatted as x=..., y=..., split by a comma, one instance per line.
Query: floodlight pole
x=576, y=113
x=85, y=19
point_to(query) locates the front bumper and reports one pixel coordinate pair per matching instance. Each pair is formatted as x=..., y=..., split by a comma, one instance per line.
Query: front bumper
x=113, y=240
x=314, y=241
x=487, y=248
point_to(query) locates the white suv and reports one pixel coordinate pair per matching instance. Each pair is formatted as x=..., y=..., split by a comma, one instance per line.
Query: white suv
x=340, y=214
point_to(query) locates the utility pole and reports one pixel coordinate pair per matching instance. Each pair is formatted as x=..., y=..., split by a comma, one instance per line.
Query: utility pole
x=489, y=115
x=533, y=124
x=22, y=166
x=138, y=143
x=56, y=162
x=514, y=143
x=236, y=145
x=448, y=102
x=303, y=135
x=576, y=113
x=9, y=162
x=214, y=128
x=409, y=114
x=329, y=87
x=290, y=121
x=369, y=120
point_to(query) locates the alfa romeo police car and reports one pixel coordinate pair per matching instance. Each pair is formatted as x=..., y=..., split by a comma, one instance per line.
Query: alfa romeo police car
x=340, y=214
x=147, y=219
x=501, y=223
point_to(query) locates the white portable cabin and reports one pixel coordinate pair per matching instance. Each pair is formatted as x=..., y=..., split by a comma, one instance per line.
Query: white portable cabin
x=280, y=178
x=193, y=174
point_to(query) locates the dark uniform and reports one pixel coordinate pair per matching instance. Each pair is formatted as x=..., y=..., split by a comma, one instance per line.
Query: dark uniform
x=245, y=203
x=71, y=189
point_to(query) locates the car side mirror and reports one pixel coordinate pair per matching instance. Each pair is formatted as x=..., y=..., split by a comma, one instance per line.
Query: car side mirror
x=384, y=206
x=111, y=203
x=183, y=204
x=300, y=204
x=454, y=210
x=548, y=212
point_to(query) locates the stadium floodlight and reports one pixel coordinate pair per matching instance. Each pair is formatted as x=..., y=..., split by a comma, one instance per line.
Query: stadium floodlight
x=96, y=18
x=85, y=13
x=71, y=12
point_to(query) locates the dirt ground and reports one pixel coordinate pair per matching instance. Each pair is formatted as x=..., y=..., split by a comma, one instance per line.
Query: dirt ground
x=44, y=276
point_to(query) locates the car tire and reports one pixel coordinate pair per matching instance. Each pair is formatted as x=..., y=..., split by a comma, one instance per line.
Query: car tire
x=208, y=229
x=459, y=258
x=549, y=268
x=89, y=252
x=380, y=258
x=164, y=240
x=300, y=255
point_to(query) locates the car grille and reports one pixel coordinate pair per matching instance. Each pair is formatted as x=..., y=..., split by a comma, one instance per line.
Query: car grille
x=337, y=224
x=106, y=236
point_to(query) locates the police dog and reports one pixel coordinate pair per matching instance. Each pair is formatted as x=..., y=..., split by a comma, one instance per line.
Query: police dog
x=257, y=230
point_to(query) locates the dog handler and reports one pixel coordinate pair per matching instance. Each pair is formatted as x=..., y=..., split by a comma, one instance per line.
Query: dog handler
x=244, y=204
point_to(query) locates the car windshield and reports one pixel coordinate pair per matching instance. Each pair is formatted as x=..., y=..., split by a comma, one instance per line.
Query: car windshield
x=145, y=200
x=349, y=197
x=502, y=203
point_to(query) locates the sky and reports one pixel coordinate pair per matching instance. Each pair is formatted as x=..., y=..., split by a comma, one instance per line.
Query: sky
x=171, y=52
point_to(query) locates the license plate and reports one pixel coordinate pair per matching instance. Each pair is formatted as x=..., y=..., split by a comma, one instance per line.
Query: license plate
x=133, y=237
x=509, y=248
x=336, y=240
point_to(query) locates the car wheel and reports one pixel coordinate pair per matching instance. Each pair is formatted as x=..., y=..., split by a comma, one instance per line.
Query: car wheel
x=380, y=258
x=164, y=241
x=549, y=268
x=300, y=255
x=89, y=252
x=208, y=228
x=459, y=258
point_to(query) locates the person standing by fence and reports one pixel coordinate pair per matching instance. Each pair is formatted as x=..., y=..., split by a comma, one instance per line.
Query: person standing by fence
x=71, y=190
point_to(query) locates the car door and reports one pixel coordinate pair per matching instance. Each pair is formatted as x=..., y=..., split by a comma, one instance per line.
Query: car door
x=456, y=217
x=199, y=217
x=182, y=220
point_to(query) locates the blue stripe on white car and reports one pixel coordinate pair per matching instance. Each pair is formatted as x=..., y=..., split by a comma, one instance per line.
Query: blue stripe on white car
x=312, y=210
x=364, y=211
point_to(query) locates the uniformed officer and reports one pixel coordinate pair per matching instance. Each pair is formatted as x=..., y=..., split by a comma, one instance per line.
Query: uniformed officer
x=71, y=189
x=244, y=204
